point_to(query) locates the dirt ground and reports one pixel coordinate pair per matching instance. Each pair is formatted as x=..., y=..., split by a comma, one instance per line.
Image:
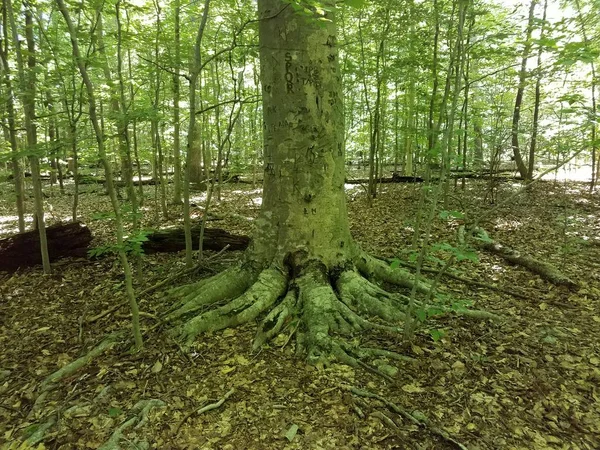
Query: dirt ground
x=528, y=382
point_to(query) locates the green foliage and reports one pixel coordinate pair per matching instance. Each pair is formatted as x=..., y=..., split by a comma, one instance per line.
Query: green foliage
x=461, y=254
x=451, y=215
x=132, y=245
x=115, y=412
x=484, y=238
x=436, y=334
x=127, y=213
x=574, y=52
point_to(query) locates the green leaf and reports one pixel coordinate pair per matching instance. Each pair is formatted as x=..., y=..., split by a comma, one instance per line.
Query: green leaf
x=395, y=264
x=291, y=432
x=115, y=412
x=451, y=215
x=433, y=311
x=436, y=334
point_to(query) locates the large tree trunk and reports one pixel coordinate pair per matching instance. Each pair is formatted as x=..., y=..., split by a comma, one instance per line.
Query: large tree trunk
x=304, y=204
x=302, y=263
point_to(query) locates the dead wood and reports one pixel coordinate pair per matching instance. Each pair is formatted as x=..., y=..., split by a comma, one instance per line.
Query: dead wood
x=64, y=240
x=173, y=240
x=545, y=270
x=395, y=178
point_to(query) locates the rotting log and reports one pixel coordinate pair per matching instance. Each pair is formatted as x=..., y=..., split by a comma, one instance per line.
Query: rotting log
x=64, y=240
x=545, y=270
x=173, y=240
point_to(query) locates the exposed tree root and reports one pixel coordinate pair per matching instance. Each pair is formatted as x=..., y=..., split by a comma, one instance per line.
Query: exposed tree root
x=416, y=419
x=40, y=433
x=373, y=268
x=360, y=295
x=137, y=417
x=226, y=285
x=74, y=366
x=276, y=319
x=320, y=307
x=270, y=285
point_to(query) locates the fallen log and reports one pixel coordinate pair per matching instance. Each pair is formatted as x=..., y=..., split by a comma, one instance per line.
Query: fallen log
x=173, y=240
x=64, y=240
x=545, y=270
x=395, y=178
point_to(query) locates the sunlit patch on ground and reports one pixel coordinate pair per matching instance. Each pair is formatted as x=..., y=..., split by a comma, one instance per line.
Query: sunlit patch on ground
x=10, y=224
x=505, y=224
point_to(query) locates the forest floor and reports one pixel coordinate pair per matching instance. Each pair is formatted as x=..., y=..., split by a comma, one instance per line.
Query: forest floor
x=528, y=382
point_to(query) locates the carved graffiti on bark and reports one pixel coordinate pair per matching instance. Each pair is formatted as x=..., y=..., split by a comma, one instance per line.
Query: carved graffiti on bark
x=289, y=76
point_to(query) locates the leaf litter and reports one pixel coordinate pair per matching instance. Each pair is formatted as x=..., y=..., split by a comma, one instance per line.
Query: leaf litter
x=528, y=383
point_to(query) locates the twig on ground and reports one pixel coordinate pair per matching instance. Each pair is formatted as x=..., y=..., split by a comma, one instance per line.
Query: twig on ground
x=204, y=409
x=10, y=408
x=375, y=371
x=423, y=422
x=385, y=419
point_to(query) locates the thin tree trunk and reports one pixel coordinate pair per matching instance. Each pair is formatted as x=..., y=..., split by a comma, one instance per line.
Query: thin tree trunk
x=123, y=123
x=434, y=70
x=409, y=133
x=136, y=156
x=193, y=79
x=459, y=60
x=176, y=96
x=28, y=98
x=81, y=63
x=465, y=115
x=156, y=134
x=536, y=107
x=10, y=130
x=594, y=115
x=523, y=171
x=74, y=155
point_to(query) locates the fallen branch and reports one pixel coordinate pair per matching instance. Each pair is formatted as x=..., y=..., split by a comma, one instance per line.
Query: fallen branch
x=545, y=270
x=468, y=281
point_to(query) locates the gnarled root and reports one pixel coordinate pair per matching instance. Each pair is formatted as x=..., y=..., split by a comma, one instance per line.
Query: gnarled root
x=373, y=268
x=226, y=285
x=360, y=295
x=270, y=285
x=321, y=307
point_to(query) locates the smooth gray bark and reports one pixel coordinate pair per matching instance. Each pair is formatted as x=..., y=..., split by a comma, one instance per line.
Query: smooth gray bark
x=304, y=204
